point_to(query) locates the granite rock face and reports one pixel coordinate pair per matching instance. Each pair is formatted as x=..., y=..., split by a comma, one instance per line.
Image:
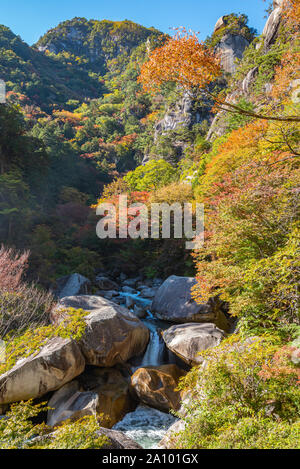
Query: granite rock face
x=272, y=26
x=231, y=47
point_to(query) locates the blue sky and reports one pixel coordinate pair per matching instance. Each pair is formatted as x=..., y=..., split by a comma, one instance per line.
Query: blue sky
x=32, y=18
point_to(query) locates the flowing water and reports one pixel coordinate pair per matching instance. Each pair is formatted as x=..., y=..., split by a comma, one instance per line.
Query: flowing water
x=156, y=353
x=146, y=425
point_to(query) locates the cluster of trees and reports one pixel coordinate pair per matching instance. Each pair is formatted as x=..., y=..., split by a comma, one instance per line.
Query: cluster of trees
x=58, y=147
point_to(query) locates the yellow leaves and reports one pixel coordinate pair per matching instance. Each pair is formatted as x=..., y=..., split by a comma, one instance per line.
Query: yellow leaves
x=182, y=59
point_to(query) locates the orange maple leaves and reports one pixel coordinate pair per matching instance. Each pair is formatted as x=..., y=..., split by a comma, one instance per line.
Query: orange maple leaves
x=182, y=59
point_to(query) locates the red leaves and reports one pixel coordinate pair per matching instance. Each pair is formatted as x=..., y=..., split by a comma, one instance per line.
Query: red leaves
x=182, y=59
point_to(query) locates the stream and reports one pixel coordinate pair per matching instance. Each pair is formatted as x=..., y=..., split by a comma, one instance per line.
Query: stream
x=147, y=425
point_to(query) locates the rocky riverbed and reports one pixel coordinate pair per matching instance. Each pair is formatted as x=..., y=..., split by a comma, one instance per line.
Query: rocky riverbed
x=140, y=337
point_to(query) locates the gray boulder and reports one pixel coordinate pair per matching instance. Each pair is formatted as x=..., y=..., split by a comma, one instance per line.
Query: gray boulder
x=105, y=283
x=148, y=292
x=127, y=289
x=113, y=334
x=70, y=285
x=187, y=340
x=130, y=282
x=57, y=363
x=173, y=302
x=69, y=403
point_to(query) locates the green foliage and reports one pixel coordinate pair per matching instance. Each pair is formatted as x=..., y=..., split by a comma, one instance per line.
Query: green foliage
x=152, y=175
x=245, y=397
x=17, y=431
x=236, y=120
x=82, y=434
x=39, y=79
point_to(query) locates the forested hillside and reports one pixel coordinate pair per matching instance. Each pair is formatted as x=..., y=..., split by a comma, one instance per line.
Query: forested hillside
x=97, y=109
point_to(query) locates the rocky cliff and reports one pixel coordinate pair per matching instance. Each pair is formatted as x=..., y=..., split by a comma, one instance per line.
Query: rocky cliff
x=95, y=42
x=230, y=38
x=242, y=87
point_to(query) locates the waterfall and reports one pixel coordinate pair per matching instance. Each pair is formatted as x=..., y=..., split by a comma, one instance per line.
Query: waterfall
x=156, y=353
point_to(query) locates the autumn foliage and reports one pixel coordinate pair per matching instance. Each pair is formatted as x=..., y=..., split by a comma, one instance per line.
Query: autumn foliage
x=182, y=59
x=12, y=267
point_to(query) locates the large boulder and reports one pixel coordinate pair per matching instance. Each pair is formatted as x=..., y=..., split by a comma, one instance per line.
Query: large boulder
x=69, y=403
x=156, y=386
x=71, y=285
x=57, y=363
x=271, y=28
x=187, y=340
x=113, y=334
x=173, y=302
x=113, y=391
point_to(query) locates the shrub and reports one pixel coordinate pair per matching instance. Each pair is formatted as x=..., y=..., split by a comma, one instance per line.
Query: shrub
x=17, y=431
x=21, y=304
x=152, y=175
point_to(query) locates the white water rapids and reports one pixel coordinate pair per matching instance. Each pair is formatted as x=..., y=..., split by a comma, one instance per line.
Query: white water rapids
x=146, y=425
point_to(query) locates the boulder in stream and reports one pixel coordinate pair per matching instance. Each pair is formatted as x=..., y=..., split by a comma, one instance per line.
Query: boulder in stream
x=113, y=334
x=74, y=284
x=156, y=386
x=187, y=340
x=105, y=283
x=69, y=403
x=113, y=391
x=173, y=302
